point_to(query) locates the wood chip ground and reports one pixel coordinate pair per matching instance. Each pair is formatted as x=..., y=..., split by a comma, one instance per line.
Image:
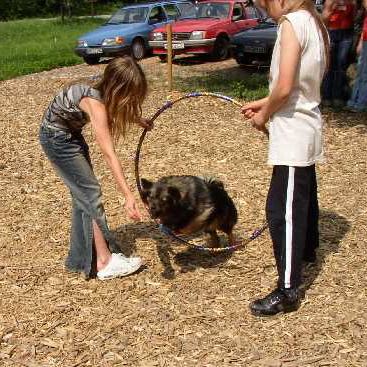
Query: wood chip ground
x=184, y=309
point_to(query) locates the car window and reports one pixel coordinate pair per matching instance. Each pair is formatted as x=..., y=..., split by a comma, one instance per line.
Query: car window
x=187, y=10
x=157, y=15
x=237, y=13
x=129, y=15
x=212, y=10
x=171, y=11
x=252, y=12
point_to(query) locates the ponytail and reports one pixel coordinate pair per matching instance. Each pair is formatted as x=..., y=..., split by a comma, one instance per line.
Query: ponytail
x=310, y=6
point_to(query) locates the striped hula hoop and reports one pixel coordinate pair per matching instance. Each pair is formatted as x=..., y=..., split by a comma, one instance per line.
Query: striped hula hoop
x=163, y=229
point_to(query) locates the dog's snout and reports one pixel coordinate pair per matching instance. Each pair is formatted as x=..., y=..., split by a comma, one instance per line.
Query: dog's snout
x=154, y=211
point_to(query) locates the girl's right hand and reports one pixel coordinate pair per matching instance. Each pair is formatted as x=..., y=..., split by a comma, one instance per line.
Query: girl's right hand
x=132, y=209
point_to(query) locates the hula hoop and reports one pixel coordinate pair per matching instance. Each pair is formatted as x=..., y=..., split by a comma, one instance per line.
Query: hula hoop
x=163, y=228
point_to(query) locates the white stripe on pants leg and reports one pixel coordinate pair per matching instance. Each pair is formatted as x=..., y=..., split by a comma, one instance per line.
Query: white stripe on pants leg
x=289, y=228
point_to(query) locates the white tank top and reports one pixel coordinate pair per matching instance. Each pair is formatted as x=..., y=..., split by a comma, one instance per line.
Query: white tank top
x=295, y=131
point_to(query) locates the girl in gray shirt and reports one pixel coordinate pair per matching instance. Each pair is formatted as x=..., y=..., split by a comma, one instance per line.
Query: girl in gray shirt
x=110, y=106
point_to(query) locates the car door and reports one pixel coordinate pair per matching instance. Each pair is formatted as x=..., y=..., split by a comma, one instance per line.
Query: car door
x=240, y=19
x=253, y=15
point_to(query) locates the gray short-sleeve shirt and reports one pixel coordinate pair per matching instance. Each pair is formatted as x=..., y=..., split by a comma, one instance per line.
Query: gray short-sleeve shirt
x=64, y=112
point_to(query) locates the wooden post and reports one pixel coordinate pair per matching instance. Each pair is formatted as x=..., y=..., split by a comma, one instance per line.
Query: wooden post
x=169, y=55
x=92, y=7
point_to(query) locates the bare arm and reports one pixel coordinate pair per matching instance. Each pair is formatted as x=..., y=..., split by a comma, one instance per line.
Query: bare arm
x=98, y=117
x=290, y=54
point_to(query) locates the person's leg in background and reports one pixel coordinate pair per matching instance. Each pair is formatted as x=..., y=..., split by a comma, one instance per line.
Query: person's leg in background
x=358, y=100
x=343, y=49
x=329, y=78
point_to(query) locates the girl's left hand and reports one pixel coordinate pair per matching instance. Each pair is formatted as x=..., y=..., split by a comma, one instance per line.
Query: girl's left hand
x=146, y=123
x=132, y=209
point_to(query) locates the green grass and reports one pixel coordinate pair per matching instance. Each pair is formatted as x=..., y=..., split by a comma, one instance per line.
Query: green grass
x=243, y=85
x=32, y=45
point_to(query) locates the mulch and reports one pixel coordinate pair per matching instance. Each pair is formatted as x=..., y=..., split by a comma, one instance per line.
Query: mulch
x=184, y=308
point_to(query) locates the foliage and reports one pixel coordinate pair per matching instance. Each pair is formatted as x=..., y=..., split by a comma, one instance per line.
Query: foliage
x=18, y=9
x=29, y=46
x=254, y=86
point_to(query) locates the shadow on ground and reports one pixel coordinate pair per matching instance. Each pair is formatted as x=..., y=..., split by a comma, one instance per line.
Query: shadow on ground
x=168, y=250
x=333, y=228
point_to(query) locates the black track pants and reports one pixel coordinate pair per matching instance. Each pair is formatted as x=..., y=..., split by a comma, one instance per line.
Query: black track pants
x=292, y=213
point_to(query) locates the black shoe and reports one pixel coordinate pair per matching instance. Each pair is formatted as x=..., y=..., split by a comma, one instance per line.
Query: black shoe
x=279, y=300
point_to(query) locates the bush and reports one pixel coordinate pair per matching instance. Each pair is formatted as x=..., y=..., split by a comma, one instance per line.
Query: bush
x=19, y=9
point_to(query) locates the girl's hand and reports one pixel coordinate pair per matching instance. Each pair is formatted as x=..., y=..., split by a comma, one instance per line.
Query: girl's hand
x=249, y=109
x=259, y=120
x=132, y=209
x=146, y=123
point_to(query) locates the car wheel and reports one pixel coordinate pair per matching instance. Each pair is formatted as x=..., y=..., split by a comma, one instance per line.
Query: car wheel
x=91, y=60
x=221, y=48
x=241, y=60
x=138, y=49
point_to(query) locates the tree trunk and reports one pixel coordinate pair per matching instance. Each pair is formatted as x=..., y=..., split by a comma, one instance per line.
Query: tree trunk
x=62, y=10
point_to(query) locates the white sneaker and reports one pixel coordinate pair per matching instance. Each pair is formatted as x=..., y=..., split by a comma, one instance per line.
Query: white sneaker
x=119, y=266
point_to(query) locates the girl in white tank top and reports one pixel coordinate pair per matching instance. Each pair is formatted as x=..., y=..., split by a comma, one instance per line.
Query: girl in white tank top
x=299, y=61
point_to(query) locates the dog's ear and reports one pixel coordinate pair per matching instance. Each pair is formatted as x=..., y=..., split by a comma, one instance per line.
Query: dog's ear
x=174, y=193
x=146, y=186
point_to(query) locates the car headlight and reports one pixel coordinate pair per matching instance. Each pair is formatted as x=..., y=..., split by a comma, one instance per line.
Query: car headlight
x=113, y=41
x=157, y=36
x=82, y=43
x=197, y=35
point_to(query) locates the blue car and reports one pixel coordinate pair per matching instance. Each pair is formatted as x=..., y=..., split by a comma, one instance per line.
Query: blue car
x=127, y=31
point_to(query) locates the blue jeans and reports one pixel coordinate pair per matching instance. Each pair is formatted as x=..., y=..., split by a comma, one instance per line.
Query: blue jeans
x=335, y=79
x=358, y=99
x=69, y=155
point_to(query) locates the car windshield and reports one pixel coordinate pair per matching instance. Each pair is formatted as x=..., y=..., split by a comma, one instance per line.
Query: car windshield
x=187, y=10
x=209, y=10
x=129, y=15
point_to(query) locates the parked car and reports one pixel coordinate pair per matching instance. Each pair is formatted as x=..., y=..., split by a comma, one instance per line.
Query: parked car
x=208, y=29
x=127, y=31
x=255, y=45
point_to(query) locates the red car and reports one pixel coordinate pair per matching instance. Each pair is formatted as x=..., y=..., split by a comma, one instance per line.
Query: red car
x=207, y=28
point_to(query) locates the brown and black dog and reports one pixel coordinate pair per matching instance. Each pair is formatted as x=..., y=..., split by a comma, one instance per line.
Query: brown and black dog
x=190, y=204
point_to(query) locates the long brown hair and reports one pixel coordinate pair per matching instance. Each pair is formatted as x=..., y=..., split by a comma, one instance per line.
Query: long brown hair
x=123, y=88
